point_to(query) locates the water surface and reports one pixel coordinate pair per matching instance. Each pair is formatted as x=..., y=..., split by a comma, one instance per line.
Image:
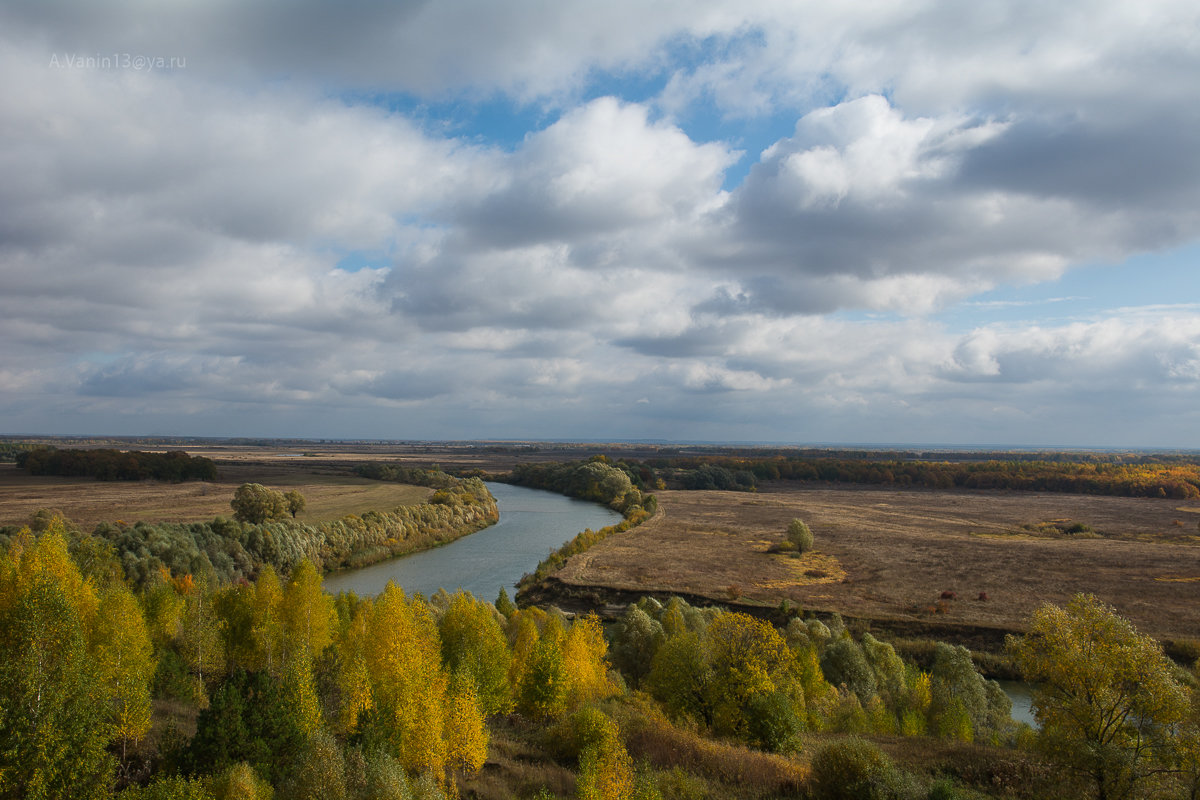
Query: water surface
x=532, y=524
x=1022, y=701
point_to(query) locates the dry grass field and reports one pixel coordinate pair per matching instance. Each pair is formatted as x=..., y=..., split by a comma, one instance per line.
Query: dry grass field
x=889, y=555
x=880, y=553
x=330, y=494
x=319, y=471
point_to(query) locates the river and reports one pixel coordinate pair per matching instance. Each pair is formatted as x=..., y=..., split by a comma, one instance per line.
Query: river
x=532, y=524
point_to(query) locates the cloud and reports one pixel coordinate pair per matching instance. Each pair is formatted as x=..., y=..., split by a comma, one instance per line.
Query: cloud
x=170, y=240
x=602, y=168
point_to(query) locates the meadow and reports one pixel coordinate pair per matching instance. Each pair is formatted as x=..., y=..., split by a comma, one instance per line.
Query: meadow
x=889, y=555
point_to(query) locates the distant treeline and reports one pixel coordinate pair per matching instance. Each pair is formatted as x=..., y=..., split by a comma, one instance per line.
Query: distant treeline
x=117, y=465
x=228, y=551
x=1157, y=477
x=10, y=450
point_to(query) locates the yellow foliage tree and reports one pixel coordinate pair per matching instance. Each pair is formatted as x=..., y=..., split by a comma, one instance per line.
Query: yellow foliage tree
x=1105, y=695
x=524, y=630
x=267, y=626
x=241, y=782
x=466, y=731
x=120, y=646
x=584, y=657
x=46, y=559
x=307, y=612
x=354, y=680
x=750, y=661
x=408, y=686
x=163, y=607
x=301, y=691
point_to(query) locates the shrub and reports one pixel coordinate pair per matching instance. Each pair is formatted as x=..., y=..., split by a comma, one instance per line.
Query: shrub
x=855, y=769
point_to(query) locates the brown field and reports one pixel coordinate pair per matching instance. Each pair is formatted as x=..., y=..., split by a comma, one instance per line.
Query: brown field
x=330, y=494
x=880, y=554
x=888, y=555
x=319, y=471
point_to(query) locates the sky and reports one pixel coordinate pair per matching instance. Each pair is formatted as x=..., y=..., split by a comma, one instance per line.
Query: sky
x=853, y=221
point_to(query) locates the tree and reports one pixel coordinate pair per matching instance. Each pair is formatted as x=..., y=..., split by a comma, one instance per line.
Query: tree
x=200, y=641
x=122, y=652
x=295, y=502
x=320, y=772
x=680, y=677
x=250, y=719
x=1105, y=696
x=239, y=782
x=267, y=626
x=466, y=730
x=845, y=664
x=584, y=656
x=307, y=612
x=798, y=533
x=750, y=661
x=473, y=643
x=635, y=642
x=256, y=504
x=403, y=661
x=543, y=690
x=52, y=731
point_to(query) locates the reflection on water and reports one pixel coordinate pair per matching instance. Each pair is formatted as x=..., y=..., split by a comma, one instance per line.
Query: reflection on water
x=532, y=523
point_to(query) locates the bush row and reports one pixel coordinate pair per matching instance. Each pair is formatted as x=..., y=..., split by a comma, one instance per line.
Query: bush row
x=228, y=551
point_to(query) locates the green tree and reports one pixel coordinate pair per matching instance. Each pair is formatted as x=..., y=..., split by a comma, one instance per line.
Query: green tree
x=473, y=642
x=250, y=719
x=844, y=664
x=256, y=504
x=295, y=502
x=176, y=787
x=200, y=641
x=320, y=772
x=798, y=533
x=504, y=605
x=1105, y=696
x=545, y=683
x=959, y=698
x=635, y=642
x=680, y=677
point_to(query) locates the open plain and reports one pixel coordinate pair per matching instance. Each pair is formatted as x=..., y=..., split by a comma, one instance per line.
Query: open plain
x=880, y=554
x=889, y=555
x=330, y=493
